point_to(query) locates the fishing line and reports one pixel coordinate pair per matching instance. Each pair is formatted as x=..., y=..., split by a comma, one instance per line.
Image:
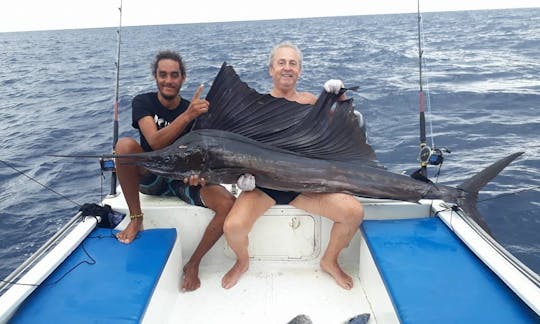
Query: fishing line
x=426, y=78
x=41, y=184
x=90, y=261
x=454, y=207
x=116, y=101
x=453, y=210
x=102, y=178
x=438, y=173
x=509, y=194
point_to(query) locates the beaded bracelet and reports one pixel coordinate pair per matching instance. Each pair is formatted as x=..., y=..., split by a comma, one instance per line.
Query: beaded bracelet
x=136, y=216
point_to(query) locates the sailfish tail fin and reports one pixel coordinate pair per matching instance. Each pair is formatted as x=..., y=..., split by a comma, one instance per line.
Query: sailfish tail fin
x=472, y=186
x=477, y=182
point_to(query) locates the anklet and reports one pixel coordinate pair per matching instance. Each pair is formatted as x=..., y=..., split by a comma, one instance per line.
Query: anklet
x=136, y=216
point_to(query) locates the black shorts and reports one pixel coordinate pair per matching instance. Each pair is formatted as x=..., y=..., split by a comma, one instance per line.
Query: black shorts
x=280, y=197
x=156, y=185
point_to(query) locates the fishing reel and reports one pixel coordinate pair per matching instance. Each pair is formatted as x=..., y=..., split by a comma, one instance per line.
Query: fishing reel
x=432, y=156
x=107, y=164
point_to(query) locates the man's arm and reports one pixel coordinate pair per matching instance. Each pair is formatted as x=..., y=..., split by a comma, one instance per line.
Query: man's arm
x=158, y=139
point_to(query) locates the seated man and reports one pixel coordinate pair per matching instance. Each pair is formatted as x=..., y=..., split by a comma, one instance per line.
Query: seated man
x=345, y=210
x=162, y=117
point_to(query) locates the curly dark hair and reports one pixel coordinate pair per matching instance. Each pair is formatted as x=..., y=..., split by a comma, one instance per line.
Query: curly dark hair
x=170, y=55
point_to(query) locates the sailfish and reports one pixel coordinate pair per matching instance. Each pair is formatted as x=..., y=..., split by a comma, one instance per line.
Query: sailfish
x=296, y=147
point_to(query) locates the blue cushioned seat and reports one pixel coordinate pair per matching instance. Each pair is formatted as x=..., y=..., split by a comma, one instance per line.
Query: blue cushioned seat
x=433, y=277
x=102, y=281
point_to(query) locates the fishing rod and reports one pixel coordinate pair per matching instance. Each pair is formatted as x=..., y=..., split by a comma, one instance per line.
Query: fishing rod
x=424, y=150
x=428, y=155
x=107, y=164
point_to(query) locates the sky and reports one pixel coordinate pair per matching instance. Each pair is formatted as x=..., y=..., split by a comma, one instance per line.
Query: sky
x=29, y=15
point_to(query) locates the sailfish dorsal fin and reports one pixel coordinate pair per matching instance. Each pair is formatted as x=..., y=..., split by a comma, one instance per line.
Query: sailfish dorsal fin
x=322, y=130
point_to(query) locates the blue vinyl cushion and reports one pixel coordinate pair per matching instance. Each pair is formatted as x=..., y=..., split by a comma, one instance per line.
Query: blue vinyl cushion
x=433, y=277
x=115, y=289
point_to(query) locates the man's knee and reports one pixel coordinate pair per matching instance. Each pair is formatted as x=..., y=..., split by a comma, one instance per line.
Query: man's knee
x=357, y=212
x=351, y=210
x=217, y=198
x=127, y=145
x=235, y=225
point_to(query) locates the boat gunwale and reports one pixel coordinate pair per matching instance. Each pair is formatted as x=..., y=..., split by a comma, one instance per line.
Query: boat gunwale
x=522, y=280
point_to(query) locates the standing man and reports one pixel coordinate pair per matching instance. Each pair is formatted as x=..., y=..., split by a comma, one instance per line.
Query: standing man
x=161, y=118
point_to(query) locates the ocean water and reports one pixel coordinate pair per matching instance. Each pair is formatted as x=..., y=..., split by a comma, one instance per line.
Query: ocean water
x=57, y=94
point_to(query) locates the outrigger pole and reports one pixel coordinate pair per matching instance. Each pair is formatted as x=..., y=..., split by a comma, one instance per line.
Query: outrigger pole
x=116, y=95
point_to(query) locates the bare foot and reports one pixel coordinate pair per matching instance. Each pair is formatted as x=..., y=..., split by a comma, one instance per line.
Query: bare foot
x=231, y=278
x=190, y=277
x=130, y=233
x=332, y=268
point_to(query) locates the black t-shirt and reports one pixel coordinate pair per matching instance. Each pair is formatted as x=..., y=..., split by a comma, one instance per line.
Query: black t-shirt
x=147, y=104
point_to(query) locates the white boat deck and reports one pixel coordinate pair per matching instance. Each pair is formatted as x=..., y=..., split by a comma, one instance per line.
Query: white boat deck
x=271, y=292
x=284, y=279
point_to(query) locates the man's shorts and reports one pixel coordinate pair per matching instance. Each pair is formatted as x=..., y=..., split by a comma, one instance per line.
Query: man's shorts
x=280, y=197
x=155, y=185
